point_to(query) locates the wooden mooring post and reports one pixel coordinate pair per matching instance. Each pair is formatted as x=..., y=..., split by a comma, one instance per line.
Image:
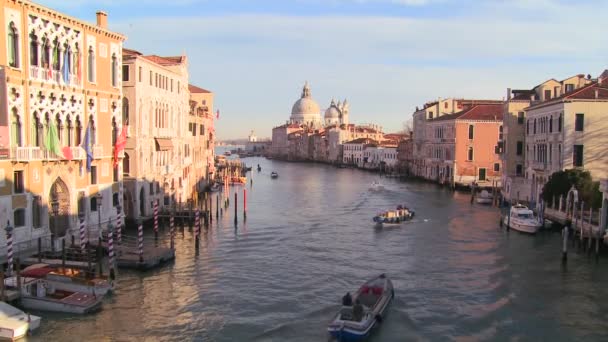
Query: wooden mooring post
x=565, y=244
x=236, y=204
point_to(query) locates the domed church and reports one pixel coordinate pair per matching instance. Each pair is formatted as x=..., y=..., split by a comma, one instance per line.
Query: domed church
x=305, y=111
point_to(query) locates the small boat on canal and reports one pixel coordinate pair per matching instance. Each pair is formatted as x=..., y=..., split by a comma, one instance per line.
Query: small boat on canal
x=39, y=294
x=215, y=187
x=355, y=320
x=393, y=217
x=274, y=175
x=259, y=168
x=15, y=324
x=70, y=279
x=522, y=219
x=238, y=180
x=484, y=197
x=376, y=186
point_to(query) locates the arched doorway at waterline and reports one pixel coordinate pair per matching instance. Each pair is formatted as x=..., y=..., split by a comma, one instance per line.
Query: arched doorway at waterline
x=128, y=202
x=142, y=205
x=59, y=211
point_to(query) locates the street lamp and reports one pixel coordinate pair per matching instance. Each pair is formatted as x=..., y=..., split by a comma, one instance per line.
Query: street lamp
x=55, y=209
x=99, y=198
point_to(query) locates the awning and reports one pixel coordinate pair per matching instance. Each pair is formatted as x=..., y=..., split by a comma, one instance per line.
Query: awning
x=163, y=144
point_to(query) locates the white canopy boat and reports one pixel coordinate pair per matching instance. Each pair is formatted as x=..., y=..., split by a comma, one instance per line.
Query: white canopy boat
x=484, y=197
x=39, y=294
x=373, y=297
x=376, y=186
x=522, y=219
x=70, y=279
x=14, y=323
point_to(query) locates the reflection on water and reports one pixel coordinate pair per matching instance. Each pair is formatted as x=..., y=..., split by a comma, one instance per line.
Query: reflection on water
x=309, y=238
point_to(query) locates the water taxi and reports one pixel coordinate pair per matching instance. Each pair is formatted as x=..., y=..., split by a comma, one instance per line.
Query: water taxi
x=522, y=219
x=15, y=324
x=355, y=320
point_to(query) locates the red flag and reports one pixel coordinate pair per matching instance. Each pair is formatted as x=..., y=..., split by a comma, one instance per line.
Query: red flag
x=217, y=114
x=49, y=73
x=120, y=144
x=67, y=153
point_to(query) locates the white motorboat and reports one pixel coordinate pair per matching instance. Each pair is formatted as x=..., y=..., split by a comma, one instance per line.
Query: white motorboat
x=484, y=197
x=373, y=299
x=70, y=279
x=39, y=294
x=274, y=175
x=14, y=323
x=522, y=219
x=376, y=186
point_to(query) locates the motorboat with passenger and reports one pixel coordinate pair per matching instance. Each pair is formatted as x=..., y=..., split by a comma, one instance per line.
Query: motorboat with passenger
x=484, y=197
x=274, y=175
x=393, y=217
x=15, y=324
x=376, y=186
x=365, y=310
x=522, y=219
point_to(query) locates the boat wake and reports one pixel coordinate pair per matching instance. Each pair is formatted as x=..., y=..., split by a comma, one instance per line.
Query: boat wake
x=310, y=321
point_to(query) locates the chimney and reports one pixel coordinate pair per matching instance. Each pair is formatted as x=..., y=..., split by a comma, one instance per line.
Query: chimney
x=102, y=19
x=596, y=93
x=508, y=94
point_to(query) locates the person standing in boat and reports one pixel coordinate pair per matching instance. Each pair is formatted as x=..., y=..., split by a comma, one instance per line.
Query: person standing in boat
x=358, y=311
x=347, y=300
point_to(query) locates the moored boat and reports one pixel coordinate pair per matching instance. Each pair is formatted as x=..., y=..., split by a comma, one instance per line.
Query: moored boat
x=522, y=219
x=238, y=180
x=14, y=323
x=274, y=175
x=215, y=187
x=484, y=197
x=39, y=294
x=70, y=279
x=355, y=320
x=393, y=217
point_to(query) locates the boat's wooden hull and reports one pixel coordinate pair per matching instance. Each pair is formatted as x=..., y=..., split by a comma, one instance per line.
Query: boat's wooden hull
x=46, y=304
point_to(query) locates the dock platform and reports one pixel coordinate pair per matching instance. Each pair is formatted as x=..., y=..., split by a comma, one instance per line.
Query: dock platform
x=128, y=257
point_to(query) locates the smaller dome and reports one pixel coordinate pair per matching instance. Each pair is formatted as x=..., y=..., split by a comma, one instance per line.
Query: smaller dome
x=332, y=112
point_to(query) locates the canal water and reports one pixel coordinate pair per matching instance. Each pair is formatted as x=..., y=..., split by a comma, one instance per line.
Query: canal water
x=309, y=238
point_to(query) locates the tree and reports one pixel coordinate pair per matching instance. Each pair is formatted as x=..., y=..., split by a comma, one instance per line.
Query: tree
x=560, y=183
x=408, y=126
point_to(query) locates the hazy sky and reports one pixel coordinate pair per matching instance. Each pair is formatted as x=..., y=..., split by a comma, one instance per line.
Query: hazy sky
x=385, y=56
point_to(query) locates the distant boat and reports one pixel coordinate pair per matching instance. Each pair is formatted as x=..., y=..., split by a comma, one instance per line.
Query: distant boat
x=393, y=217
x=484, y=197
x=14, y=323
x=259, y=168
x=274, y=175
x=376, y=186
x=522, y=219
x=238, y=180
x=215, y=187
x=227, y=153
x=374, y=295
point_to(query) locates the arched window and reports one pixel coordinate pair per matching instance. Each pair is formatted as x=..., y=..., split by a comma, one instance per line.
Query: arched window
x=114, y=70
x=33, y=49
x=551, y=124
x=114, y=131
x=534, y=129
x=560, y=122
x=37, y=130
x=13, y=45
x=471, y=131
x=16, y=129
x=125, y=111
x=528, y=127
x=56, y=63
x=46, y=53
x=70, y=130
x=76, y=62
x=92, y=137
x=470, y=154
x=59, y=129
x=91, y=65
x=125, y=165
x=78, y=135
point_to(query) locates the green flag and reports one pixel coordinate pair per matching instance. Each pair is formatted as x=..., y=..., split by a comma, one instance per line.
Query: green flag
x=51, y=141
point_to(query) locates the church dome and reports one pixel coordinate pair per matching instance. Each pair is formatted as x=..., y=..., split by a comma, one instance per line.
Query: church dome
x=305, y=105
x=332, y=112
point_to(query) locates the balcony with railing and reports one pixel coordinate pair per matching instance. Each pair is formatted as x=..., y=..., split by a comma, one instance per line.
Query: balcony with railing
x=54, y=76
x=26, y=154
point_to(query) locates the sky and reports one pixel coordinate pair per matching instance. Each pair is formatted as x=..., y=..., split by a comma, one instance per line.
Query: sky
x=385, y=56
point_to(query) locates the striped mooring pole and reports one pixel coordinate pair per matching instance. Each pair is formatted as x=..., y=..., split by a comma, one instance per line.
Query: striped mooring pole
x=111, y=250
x=9, y=248
x=156, y=219
x=119, y=225
x=197, y=228
x=83, y=237
x=172, y=229
x=140, y=239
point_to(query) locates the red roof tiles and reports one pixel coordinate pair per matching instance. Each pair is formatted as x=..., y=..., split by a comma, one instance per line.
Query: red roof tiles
x=195, y=89
x=483, y=112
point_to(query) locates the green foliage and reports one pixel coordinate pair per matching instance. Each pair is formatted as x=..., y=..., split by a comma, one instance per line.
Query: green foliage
x=560, y=183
